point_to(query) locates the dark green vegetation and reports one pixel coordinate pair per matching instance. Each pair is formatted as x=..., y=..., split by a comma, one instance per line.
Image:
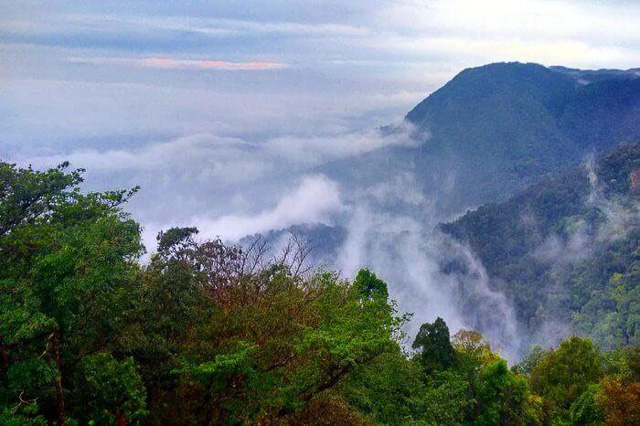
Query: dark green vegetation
x=207, y=333
x=567, y=250
x=502, y=126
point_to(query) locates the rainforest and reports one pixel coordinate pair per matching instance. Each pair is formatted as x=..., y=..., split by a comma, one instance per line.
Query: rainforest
x=319, y=212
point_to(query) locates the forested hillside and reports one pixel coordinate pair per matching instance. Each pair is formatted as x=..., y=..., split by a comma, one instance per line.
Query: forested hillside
x=501, y=126
x=567, y=250
x=207, y=333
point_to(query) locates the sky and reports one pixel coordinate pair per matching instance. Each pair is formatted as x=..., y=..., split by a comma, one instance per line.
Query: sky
x=223, y=111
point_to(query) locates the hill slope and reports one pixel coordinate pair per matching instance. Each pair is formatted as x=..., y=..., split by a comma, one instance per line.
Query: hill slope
x=504, y=125
x=489, y=134
x=567, y=250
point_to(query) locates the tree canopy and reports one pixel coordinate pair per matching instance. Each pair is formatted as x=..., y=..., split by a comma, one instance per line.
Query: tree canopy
x=210, y=333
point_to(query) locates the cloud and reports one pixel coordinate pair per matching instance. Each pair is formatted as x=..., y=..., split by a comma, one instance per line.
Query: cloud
x=113, y=24
x=314, y=200
x=569, y=32
x=619, y=217
x=182, y=64
x=209, y=157
x=428, y=34
x=199, y=158
x=581, y=238
x=319, y=149
x=402, y=188
x=287, y=28
x=213, y=178
x=409, y=254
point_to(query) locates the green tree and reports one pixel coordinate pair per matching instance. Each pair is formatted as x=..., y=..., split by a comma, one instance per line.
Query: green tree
x=502, y=396
x=588, y=409
x=108, y=391
x=389, y=390
x=445, y=400
x=369, y=286
x=529, y=361
x=67, y=264
x=433, y=343
x=566, y=372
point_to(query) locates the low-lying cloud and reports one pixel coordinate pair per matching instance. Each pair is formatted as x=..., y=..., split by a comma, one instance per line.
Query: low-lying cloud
x=315, y=200
x=202, y=157
x=229, y=186
x=410, y=254
x=319, y=149
x=215, y=159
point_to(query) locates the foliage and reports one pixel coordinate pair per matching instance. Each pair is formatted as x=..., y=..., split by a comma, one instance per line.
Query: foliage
x=108, y=390
x=588, y=409
x=566, y=250
x=446, y=400
x=621, y=402
x=502, y=396
x=566, y=372
x=210, y=333
x=433, y=341
x=528, y=362
x=388, y=390
x=369, y=286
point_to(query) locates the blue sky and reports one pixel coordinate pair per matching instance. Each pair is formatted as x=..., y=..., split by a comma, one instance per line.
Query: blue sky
x=223, y=110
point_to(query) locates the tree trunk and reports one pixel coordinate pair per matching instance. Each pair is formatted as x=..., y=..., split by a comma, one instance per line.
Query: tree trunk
x=54, y=354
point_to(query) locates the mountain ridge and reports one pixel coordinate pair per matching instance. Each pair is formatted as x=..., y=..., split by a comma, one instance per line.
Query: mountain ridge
x=566, y=249
x=506, y=124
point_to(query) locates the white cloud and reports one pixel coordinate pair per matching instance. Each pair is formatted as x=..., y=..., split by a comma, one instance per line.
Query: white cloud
x=316, y=150
x=578, y=33
x=314, y=200
x=199, y=157
x=535, y=19
x=220, y=159
x=408, y=254
x=402, y=188
x=99, y=24
x=208, y=179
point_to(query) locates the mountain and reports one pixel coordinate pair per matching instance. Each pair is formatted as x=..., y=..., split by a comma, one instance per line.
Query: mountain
x=502, y=126
x=509, y=138
x=491, y=132
x=567, y=250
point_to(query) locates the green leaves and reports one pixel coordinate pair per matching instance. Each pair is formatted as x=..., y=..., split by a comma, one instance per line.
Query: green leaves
x=237, y=362
x=20, y=315
x=107, y=390
x=31, y=377
x=27, y=195
x=369, y=286
x=564, y=373
x=210, y=333
x=588, y=409
x=502, y=395
x=446, y=399
x=65, y=258
x=434, y=343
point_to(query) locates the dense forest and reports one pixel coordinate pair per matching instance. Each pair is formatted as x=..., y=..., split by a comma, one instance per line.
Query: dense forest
x=567, y=250
x=208, y=333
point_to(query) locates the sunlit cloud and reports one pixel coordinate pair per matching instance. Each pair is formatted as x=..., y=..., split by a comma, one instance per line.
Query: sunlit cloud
x=181, y=64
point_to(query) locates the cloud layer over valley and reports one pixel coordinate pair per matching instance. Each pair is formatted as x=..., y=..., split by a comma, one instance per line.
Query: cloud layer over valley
x=241, y=120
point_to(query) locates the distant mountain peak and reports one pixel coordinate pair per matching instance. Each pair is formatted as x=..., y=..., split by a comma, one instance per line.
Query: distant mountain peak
x=506, y=124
